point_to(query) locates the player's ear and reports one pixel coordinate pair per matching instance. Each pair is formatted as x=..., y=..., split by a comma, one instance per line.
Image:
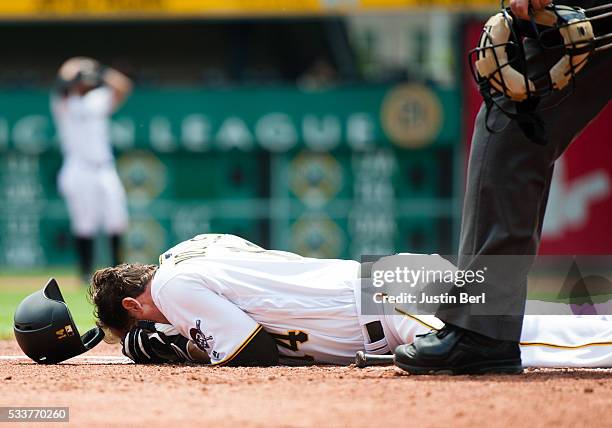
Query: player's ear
x=131, y=305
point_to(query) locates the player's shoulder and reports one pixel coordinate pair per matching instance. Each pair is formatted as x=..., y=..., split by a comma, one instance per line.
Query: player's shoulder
x=60, y=104
x=204, y=245
x=168, y=273
x=175, y=267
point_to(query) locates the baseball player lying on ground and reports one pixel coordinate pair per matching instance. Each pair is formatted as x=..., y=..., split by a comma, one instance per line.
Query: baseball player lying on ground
x=220, y=299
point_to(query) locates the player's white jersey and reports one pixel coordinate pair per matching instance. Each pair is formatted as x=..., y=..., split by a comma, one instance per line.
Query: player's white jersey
x=88, y=179
x=83, y=125
x=219, y=290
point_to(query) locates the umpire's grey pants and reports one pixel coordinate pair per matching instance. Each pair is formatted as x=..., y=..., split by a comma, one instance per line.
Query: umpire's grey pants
x=507, y=189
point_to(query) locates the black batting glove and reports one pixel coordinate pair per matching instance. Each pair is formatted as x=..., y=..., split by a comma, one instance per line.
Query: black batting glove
x=156, y=343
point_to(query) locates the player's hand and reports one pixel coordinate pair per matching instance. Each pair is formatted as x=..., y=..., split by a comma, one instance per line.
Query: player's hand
x=521, y=7
x=155, y=343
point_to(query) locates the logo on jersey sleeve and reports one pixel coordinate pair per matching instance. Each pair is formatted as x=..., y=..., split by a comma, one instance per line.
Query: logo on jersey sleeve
x=200, y=339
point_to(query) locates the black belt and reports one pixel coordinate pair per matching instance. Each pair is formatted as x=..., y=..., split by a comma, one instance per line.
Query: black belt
x=375, y=331
x=374, y=328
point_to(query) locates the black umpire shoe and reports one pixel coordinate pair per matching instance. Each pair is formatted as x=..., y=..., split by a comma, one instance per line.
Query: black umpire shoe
x=453, y=350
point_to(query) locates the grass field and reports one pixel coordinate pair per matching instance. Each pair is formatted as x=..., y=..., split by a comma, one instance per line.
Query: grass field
x=14, y=286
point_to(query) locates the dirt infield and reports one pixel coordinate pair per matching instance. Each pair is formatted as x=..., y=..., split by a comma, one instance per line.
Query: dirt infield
x=100, y=394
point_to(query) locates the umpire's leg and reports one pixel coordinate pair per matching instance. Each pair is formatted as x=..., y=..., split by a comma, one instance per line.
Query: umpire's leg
x=507, y=189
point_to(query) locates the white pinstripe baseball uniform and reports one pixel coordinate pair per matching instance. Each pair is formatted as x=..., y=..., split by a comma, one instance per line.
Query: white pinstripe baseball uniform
x=219, y=290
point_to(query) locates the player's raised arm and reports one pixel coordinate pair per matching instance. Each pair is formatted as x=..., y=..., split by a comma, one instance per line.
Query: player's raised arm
x=120, y=84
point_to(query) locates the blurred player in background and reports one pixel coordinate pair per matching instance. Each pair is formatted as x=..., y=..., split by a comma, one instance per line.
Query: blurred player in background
x=86, y=96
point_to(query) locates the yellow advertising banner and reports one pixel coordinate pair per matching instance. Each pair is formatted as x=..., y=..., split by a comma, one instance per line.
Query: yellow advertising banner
x=33, y=9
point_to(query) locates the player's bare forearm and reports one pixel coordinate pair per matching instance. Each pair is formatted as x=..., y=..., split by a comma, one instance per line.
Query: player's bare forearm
x=521, y=7
x=119, y=83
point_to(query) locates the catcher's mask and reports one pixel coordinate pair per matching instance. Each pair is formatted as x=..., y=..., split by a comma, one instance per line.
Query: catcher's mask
x=44, y=328
x=524, y=61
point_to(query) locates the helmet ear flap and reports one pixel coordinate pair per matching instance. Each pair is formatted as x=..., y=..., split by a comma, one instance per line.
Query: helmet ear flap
x=52, y=291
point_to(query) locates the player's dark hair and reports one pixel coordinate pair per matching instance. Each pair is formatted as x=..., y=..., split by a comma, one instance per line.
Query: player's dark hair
x=111, y=285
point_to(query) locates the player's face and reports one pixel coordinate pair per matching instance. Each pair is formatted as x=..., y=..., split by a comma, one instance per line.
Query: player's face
x=83, y=88
x=143, y=308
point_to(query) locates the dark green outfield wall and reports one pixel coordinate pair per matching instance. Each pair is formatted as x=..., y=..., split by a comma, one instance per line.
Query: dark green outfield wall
x=336, y=173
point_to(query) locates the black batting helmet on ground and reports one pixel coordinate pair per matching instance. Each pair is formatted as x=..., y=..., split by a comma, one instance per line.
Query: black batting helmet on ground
x=45, y=330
